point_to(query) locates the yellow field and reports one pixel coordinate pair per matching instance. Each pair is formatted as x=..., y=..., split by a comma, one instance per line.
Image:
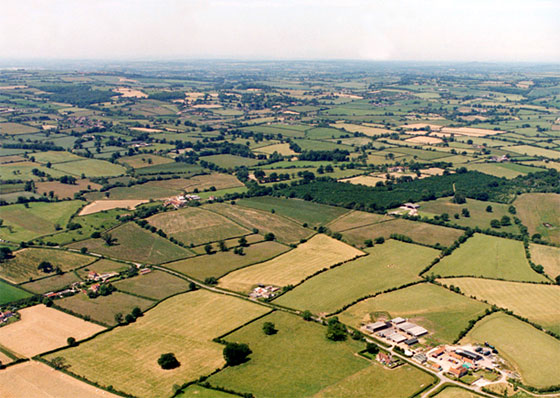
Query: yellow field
x=422, y=139
x=470, y=131
x=216, y=180
x=35, y=379
x=282, y=149
x=100, y=205
x=532, y=301
x=43, y=329
x=355, y=219
x=185, y=325
x=16, y=128
x=131, y=93
x=548, y=257
x=364, y=180
x=290, y=268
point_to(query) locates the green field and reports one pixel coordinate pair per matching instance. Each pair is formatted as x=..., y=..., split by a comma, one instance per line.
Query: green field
x=507, y=170
x=148, y=190
x=16, y=128
x=103, y=308
x=108, y=358
x=391, y=264
x=311, y=213
x=196, y=225
x=135, y=244
x=425, y=304
x=548, y=257
x=298, y=361
x=229, y=161
x=52, y=283
x=285, y=230
x=540, y=213
x=144, y=160
x=156, y=285
x=534, y=151
x=23, y=223
x=56, y=157
x=531, y=352
x=220, y=263
x=10, y=293
x=90, y=168
x=529, y=300
x=489, y=257
x=195, y=391
x=455, y=392
x=23, y=266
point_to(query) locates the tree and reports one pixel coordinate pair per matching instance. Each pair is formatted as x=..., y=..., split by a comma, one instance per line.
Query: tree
x=505, y=221
x=459, y=198
x=45, y=266
x=495, y=223
x=5, y=253
x=222, y=245
x=211, y=280
x=119, y=317
x=269, y=236
x=59, y=363
x=269, y=328
x=336, y=331
x=558, y=280
x=136, y=312
x=71, y=341
x=307, y=315
x=368, y=243
x=465, y=212
x=236, y=353
x=512, y=209
x=242, y=241
x=379, y=240
x=129, y=318
x=445, y=216
x=208, y=249
x=168, y=361
x=372, y=348
x=489, y=209
x=108, y=238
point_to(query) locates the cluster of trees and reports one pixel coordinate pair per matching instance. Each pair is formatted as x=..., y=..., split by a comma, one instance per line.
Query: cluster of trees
x=80, y=95
x=335, y=155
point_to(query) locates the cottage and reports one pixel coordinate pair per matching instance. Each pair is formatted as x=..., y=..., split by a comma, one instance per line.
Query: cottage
x=385, y=359
x=459, y=371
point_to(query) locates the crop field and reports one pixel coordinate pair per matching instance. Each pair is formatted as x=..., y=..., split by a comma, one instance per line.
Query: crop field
x=356, y=219
x=369, y=181
x=35, y=379
x=282, y=149
x=533, y=151
x=296, y=362
x=285, y=230
x=488, y=257
x=156, y=285
x=419, y=232
x=548, y=257
x=65, y=191
x=42, y=329
x=540, y=213
x=109, y=357
x=90, y=168
x=16, y=128
x=103, y=308
x=196, y=225
x=135, y=244
x=292, y=267
x=378, y=381
x=52, y=283
x=529, y=300
x=511, y=336
x=25, y=223
x=425, y=304
x=102, y=205
x=144, y=160
x=229, y=161
x=301, y=211
x=149, y=190
x=391, y=264
x=220, y=263
x=23, y=266
x=206, y=181
x=11, y=293
x=478, y=216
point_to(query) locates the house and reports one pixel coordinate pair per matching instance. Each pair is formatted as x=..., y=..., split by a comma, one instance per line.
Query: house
x=92, y=275
x=459, y=371
x=95, y=288
x=385, y=359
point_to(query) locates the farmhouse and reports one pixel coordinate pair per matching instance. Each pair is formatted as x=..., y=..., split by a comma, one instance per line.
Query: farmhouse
x=385, y=359
x=459, y=371
x=264, y=292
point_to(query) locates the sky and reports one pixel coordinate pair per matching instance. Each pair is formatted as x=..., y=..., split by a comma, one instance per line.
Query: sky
x=397, y=30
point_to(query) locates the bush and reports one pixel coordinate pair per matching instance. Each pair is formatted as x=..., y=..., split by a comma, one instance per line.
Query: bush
x=336, y=331
x=379, y=240
x=236, y=353
x=307, y=315
x=168, y=361
x=269, y=236
x=71, y=341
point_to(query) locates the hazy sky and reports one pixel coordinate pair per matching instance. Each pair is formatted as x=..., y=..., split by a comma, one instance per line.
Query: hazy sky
x=441, y=30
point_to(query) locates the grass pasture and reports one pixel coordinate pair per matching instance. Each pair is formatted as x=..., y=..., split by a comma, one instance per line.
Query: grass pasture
x=391, y=264
x=23, y=266
x=103, y=308
x=9, y=293
x=537, y=362
x=157, y=285
x=529, y=300
x=108, y=358
x=55, y=157
x=40, y=218
x=23, y=171
x=455, y=392
x=548, y=257
x=42, y=329
x=229, y=161
x=425, y=304
x=356, y=219
x=301, y=211
x=540, y=213
x=292, y=267
x=135, y=244
x=298, y=361
x=196, y=391
x=35, y=379
x=90, y=168
x=220, y=263
x=534, y=151
x=16, y=128
x=52, y=283
x=206, y=181
x=102, y=266
x=489, y=257
x=149, y=190
x=196, y=225
x=65, y=191
x=144, y=160
x=507, y=170
x=285, y=230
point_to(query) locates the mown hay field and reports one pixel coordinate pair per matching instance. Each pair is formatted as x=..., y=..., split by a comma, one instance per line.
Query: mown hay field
x=424, y=304
x=282, y=149
x=489, y=257
x=540, y=213
x=42, y=329
x=220, y=263
x=65, y=191
x=292, y=267
x=156, y=285
x=285, y=230
x=196, y=225
x=196, y=391
x=206, y=181
x=103, y=205
x=532, y=353
x=103, y=308
x=134, y=243
x=356, y=219
x=367, y=180
x=23, y=266
x=298, y=210
x=184, y=325
x=391, y=264
x=533, y=301
x=35, y=379
x=52, y=283
x=297, y=361
x=25, y=223
x=548, y=257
